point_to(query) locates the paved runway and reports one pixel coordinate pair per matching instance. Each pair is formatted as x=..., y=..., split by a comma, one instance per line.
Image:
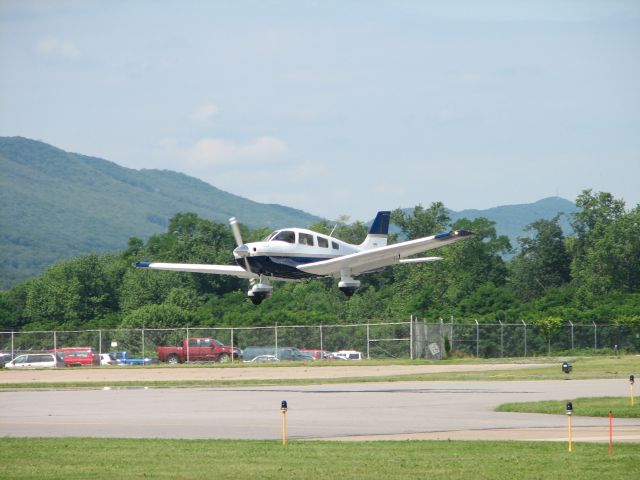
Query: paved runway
x=356, y=411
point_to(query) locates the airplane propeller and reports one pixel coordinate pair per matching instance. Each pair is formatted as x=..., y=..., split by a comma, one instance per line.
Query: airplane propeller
x=241, y=250
x=236, y=231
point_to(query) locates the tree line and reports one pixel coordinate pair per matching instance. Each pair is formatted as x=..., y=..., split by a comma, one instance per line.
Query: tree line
x=593, y=274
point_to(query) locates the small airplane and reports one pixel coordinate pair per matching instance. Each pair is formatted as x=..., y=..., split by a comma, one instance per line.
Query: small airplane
x=297, y=253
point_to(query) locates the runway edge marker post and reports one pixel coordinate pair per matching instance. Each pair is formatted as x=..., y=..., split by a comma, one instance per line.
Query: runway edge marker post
x=283, y=410
x=569, y=412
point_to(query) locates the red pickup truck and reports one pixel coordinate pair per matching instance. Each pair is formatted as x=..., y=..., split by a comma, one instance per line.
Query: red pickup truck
x=198, y=350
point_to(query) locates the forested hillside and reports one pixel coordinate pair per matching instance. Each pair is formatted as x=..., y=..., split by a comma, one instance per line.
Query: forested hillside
x=57, y=205
x=592, y=275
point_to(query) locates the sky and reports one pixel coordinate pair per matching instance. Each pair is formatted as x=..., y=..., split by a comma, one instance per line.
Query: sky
x=337, y=107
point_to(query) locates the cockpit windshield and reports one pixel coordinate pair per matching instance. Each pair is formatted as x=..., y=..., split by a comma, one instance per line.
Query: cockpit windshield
x=284, y=236
x=270, y=236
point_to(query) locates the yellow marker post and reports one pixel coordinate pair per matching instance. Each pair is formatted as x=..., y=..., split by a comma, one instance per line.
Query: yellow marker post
x=631, y=381
x=283, y=409
x=569, y=412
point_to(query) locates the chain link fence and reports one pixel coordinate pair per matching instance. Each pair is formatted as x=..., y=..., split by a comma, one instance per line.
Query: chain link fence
x=411, y=339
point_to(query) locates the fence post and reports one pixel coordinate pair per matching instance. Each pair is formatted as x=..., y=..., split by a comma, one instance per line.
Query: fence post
x=188, y=347
x=525, y=337
x=321, y=341
x=501, y=339
x=232, y=349
x=100, y=341
x=12, y=346
x=275, y=329
x=477, y=338
x=55, y=341
x=411, y=337
x=368, y=341
x=142, y=334
x=571, y=323
x=595, y=335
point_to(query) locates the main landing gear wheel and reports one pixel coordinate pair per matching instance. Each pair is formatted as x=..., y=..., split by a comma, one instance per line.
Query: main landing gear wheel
x=258, y=297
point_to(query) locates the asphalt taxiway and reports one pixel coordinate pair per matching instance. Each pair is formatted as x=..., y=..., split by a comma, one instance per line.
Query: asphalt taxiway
x=398, y=410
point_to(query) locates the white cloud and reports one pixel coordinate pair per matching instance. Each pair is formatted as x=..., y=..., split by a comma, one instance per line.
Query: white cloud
x=57, y=47
x=212, y=152
x=220, y=154
x=204, y=115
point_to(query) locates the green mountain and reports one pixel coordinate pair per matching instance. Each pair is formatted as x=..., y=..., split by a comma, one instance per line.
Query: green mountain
x=511, y=220
x=56, y=205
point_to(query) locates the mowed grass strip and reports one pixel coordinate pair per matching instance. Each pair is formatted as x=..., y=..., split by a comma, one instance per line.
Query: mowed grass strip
x=64, y=458
x=620, y=407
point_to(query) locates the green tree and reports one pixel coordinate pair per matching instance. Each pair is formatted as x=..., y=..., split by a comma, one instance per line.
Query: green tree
x=421, y=222
x=548, y=326
x=543, y=261
x=475, y=261
x=598, y=210
x=612, y=261
x=157, y=316
x=75, y=291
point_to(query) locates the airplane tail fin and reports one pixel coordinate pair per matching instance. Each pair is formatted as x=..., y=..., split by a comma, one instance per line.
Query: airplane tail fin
x=378, y=233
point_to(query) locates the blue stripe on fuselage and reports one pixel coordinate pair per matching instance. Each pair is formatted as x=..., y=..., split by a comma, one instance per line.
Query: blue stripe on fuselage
x=280, y=266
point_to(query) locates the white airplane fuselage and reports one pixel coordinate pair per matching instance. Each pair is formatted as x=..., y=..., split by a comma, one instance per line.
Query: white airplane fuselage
x=278, y=258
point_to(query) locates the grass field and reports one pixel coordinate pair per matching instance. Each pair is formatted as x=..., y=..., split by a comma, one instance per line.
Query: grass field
x=66, y=458
x=588, y=407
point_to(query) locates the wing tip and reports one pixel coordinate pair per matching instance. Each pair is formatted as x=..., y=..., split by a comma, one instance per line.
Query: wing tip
x=141, y=264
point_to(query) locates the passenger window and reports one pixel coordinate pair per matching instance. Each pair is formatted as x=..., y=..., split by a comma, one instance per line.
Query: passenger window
x=306, y=239
x=334, y=245
x=286, y=236
x=193, y=342
x=323, y=242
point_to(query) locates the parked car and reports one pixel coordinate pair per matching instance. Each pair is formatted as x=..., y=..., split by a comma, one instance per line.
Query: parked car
x=281, y=353
x=262, y=359
x=198, y=350
x=348, y=355
x=125, y=358
x=107, y=359
x=316, y=354
x=37, y=360
x=78, y=356
x=4, y=358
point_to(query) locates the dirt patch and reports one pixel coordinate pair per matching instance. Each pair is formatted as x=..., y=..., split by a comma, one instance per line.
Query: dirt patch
x=213, y=373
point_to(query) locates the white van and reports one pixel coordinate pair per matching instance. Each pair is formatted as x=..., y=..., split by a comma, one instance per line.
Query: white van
x=349, y=355
x=36, y=360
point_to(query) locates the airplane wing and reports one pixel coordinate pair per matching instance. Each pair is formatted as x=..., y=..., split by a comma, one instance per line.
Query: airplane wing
x=234, y=270
x=368, y=260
